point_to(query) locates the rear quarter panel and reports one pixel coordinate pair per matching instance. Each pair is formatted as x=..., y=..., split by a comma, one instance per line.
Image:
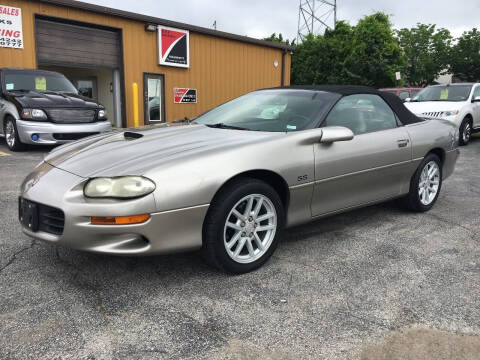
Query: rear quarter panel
x=434, y=134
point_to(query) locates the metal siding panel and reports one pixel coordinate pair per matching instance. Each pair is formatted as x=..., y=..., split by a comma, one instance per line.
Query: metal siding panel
x=288, y=64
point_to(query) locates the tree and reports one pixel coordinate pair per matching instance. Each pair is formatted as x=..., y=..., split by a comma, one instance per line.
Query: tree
x=365, y=54
x=426, y=52
x=279, y=39
x=375, y=55
x=319, y=59
x=465, y=56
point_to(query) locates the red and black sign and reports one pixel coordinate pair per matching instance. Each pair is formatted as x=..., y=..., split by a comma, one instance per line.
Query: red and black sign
x=173, y=46
x=184, y=95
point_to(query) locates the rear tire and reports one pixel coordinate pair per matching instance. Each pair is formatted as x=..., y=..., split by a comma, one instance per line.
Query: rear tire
x=465, y=131
x=11, y=135
x=243, y=225
x=425, y=185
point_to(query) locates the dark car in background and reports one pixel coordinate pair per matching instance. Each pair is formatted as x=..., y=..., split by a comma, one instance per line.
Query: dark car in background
x=43, y=107
x=403, y=93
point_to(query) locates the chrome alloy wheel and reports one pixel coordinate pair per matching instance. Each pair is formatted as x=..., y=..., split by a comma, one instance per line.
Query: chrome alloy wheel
x=250, y=228
x=10, y=134
x=429, y=183
x=467, y=132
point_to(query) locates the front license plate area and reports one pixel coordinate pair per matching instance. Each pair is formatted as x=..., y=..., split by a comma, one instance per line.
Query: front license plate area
x=28, y=214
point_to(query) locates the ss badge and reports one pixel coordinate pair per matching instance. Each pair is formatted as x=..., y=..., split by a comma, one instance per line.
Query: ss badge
x=302, y=178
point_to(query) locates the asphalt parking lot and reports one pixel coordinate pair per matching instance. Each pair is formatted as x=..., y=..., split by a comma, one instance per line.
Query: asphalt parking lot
x=375, y=283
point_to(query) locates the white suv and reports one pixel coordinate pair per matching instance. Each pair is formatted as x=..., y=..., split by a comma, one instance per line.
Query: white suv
x=458, y=103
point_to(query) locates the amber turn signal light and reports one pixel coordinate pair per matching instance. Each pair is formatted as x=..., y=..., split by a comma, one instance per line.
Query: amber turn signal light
x=119, y=220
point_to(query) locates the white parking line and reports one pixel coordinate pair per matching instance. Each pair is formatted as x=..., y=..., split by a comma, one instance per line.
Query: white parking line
x=4, y=154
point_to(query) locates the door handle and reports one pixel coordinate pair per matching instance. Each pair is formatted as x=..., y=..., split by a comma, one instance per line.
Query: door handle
x=402, y=143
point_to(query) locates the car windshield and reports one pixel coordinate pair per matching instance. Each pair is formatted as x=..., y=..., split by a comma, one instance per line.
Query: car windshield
x=36, y=81
x=271, y=110
x=444, y=93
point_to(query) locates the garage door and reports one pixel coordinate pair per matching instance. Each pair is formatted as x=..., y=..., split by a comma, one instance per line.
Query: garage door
x=65, y=44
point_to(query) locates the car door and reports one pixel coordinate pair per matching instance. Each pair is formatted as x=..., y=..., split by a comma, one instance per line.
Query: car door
x=372, y=166
x=476, y=107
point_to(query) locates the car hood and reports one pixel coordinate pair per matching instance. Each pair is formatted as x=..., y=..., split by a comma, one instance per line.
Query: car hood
x=50, y=99
x=433, y=106
x=133, y=152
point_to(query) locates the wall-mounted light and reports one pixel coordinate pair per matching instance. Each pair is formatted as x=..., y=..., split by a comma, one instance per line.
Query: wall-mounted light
x=150, y=27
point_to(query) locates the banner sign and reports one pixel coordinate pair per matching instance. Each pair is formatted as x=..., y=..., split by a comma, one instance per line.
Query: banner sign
x=173, y=47
x=11, y=34
x=184, y=95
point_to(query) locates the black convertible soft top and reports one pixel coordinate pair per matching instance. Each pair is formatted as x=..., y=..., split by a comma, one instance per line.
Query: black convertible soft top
x=405, y=116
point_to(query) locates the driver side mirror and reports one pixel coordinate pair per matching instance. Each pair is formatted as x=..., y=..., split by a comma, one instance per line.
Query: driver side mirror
x=407, y=99
x=332, y=134
x=476, y=99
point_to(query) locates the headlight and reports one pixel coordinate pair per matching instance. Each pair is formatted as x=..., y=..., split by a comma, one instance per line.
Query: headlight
x=102, y=114
x=124, y=187
x=34, y=114
x=451, y=113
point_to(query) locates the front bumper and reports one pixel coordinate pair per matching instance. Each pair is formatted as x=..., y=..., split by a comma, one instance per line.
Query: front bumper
x=165, y=232
x=47, y=131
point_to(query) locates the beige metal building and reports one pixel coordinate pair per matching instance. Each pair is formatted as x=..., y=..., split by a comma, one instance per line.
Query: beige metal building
x=179, y=69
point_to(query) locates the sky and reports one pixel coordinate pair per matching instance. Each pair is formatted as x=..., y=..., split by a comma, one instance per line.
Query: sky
x=261, y=18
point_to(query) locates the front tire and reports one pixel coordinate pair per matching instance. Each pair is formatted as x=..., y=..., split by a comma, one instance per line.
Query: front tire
x=465, y=131
x=425, y=185
x=243, y=225
x=11, y=135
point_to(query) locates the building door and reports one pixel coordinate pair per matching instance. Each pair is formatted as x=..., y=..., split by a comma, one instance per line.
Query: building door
x=87, y=86
x=85, y=51
x=153, y=97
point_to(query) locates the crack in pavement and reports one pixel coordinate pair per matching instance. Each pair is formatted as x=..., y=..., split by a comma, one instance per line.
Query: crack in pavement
x=470, y=232
x=14, y=256
x=380, y=322
x=77, y=274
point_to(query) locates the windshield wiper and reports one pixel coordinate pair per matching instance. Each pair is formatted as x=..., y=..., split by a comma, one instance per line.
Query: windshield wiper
x=20, y=90
x=225, y=126
x=185, y=119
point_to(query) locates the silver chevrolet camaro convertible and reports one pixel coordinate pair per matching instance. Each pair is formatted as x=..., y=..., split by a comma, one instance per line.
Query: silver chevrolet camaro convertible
x=230, y=180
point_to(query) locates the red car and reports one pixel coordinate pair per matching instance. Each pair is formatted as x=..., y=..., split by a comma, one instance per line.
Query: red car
x=403, y=93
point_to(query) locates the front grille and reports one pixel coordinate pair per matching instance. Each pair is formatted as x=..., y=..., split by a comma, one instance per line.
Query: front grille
x=39, y=217
x=71, y=116
x=73, y=136
x=50, y=219
x=433, y=114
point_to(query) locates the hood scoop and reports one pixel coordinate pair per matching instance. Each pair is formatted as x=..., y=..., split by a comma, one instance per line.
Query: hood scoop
x=128, y=135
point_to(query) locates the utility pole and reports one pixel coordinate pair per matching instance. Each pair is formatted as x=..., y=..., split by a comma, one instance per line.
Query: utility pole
x=314, y=16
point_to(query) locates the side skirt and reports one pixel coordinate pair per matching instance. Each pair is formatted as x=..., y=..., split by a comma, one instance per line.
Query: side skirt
x=370, y=203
